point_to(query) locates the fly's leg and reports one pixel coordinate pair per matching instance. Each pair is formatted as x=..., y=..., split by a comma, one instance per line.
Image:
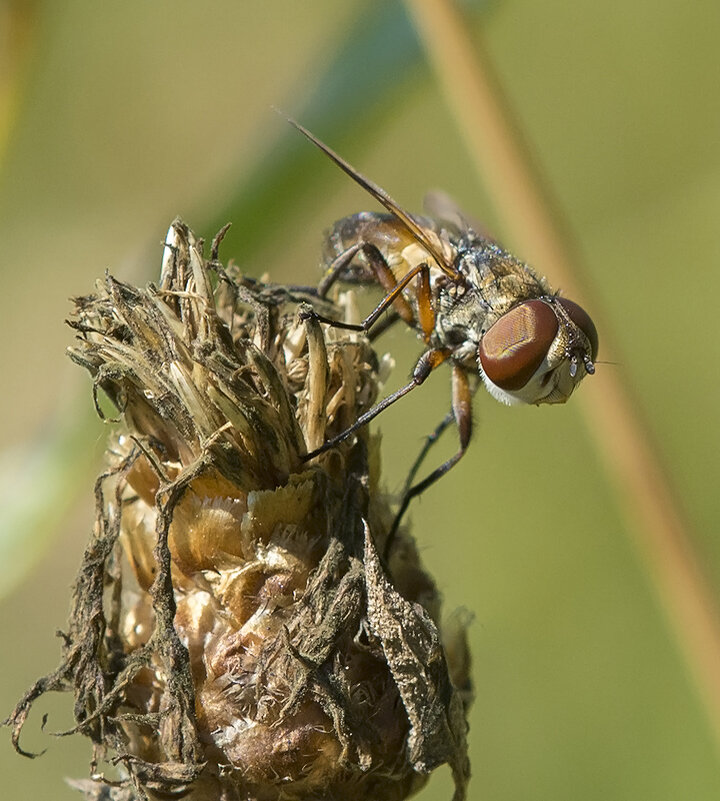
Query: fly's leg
x=430, y=440
x=393, y=289
x=422, y=270
x=425, y=365
x=380, y=268
x=394, y=298
x=383, y=325
x=462, y=415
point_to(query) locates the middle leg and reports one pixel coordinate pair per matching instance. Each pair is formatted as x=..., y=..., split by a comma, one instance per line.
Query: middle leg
x=462, y=415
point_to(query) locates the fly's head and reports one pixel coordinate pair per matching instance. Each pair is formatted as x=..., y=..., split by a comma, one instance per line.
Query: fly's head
x=538, y=352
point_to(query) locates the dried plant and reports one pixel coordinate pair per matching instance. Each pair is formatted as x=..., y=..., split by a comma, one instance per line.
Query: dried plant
x=237, y=629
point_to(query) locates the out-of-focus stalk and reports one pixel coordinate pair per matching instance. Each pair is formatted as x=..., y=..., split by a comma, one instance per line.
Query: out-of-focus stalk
x=614, y=420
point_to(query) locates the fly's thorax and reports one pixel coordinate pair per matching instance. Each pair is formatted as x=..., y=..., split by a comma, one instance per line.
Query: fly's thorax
x=500, y=279
x=494, y=281
x=538, y=352
x=462, y=319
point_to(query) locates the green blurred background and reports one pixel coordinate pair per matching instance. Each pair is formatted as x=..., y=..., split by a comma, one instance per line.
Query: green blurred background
x=120, y=116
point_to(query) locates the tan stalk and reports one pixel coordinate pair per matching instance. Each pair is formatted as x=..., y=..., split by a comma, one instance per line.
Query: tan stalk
x=18, y=30
x=614, y=419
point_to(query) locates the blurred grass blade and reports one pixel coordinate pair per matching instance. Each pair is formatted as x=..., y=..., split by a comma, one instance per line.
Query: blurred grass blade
x=18, y=25
x=39, y=484
x=351, y=96
x=613, y=418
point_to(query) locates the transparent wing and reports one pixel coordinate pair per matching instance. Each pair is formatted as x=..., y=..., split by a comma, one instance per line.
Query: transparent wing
x=445, y=211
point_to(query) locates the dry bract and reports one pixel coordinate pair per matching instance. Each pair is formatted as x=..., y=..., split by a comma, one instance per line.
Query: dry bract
x=234, y=632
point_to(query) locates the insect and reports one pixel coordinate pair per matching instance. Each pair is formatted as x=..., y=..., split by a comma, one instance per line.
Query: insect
x=472, y=303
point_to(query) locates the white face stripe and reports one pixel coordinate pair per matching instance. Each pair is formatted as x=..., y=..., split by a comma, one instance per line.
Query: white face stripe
x=501, y=395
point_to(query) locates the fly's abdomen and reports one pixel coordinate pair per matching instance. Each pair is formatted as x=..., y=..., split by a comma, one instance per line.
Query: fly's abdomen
x=371, y=230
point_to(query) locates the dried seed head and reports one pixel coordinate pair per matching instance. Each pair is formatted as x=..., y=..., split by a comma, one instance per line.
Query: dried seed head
x=234, y=633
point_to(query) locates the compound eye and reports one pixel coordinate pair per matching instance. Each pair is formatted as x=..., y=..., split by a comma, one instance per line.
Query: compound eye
x=513, y=349
x=582, y=320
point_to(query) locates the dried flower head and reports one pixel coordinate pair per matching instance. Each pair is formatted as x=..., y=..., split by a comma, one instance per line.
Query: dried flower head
x=235, y=633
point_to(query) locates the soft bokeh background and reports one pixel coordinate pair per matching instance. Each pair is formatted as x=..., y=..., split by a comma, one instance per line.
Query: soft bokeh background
x=120, y=116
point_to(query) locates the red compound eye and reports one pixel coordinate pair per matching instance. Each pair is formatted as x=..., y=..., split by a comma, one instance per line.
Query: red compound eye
x=582, y=320
x=513, y=349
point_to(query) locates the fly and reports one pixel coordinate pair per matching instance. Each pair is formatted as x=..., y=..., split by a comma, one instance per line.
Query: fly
x=472, y=303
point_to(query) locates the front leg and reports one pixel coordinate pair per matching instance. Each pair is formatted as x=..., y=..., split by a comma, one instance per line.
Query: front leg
x=425, y=365
x=380, y=269
x=393, y=289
